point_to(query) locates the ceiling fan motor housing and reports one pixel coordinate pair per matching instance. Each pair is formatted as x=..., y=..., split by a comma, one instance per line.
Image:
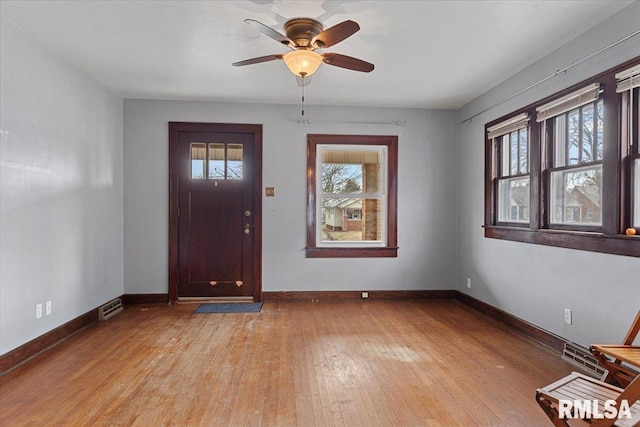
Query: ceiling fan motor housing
x=302, y=31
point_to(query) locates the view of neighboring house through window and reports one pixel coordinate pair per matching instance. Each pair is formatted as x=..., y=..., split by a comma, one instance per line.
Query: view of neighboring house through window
x=565, y=170
x=575, y=144
x=354, y=200
x=511, y=145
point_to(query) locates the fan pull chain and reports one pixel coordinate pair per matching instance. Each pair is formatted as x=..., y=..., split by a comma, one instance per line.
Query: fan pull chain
x=302, y=96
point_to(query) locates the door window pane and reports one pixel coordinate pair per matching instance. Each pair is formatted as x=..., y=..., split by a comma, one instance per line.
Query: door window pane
x=223, y=161
x=576, y=196
x=216, y=161
x=198, y=156
x=234, y=161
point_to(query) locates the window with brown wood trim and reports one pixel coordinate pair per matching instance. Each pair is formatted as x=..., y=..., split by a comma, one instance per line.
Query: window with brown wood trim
x=631, y=167
x=351, y=196
x=583, y=176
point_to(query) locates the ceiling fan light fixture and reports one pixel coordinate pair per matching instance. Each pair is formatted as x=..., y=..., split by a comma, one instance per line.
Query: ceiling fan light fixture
x=302, y=62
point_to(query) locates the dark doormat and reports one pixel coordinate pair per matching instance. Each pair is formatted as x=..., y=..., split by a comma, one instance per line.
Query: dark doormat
x=234, y=307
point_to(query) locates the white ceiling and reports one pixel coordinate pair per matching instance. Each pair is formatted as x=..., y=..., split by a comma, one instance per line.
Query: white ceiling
x=428, y=54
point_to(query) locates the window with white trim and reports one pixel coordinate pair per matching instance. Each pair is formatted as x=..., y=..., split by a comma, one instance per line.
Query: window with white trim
x=352, y=177
x=351, y=209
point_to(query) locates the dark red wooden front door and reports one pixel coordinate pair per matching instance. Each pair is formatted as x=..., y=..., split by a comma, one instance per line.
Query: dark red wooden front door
x=216, y=213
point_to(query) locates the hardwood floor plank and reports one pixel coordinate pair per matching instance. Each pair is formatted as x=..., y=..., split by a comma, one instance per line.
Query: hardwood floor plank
x=349, y=363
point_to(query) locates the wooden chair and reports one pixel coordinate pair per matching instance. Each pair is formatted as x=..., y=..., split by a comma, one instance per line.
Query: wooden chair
x=579, y=387
x=617, y=373
x=586, y=389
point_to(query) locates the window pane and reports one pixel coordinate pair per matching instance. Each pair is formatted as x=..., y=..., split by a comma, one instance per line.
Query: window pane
x=341, y=178
x=352, y=196
x=587, y=143
x=354, y=214
x=198, y=156
x=600, y=127
x=514, y=153
x=574, y=135
x=351, y=172
x=216, y=161
x=636, y=195
x=234, y=161
x=504, y=142
x=576, y=196
x=524, y=151
x=559, y=137
x=513, y=200
x=351, y=220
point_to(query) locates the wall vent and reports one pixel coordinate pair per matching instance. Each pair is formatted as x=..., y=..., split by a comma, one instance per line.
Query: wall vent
x=582, y=359
x=110, y=309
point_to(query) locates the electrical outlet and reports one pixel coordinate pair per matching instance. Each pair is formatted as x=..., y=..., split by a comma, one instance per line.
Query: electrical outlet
x=365, y=295
x=47, y=308
x=38, y=311
x=469, y=282
x=567, y=316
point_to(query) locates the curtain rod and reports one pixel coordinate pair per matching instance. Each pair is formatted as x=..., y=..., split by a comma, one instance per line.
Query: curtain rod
x=391, y=122
x=562, y=71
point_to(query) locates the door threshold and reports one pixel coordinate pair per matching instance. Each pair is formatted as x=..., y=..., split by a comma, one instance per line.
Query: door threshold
x=200, y=300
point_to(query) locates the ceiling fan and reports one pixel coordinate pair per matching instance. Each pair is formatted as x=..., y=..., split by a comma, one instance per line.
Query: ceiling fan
x=304, y=36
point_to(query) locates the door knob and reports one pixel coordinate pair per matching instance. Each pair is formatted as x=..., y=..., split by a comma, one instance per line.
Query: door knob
x=247, y=229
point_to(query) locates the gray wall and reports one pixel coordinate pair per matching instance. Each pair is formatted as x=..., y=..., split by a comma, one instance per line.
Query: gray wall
x=535, y=282
x=60, y=190
x=426, y=224
x=62, y=198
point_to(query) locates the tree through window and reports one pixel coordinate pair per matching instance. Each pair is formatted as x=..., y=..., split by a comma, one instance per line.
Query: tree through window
x=351, y=208
x=580, y=185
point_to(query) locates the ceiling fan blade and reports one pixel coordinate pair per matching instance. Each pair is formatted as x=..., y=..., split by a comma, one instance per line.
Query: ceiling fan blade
x=270, y=32
x=335, y=34
x=258, y=60
x=344, y=61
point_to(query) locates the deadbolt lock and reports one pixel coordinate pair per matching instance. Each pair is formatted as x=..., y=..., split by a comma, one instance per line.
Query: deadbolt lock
x=247, y=213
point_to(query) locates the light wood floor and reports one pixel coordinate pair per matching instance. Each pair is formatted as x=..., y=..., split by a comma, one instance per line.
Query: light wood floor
x=361, y=363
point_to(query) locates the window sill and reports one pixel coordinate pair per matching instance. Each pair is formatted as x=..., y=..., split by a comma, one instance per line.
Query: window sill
x=352, y=252
x=581, y=240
